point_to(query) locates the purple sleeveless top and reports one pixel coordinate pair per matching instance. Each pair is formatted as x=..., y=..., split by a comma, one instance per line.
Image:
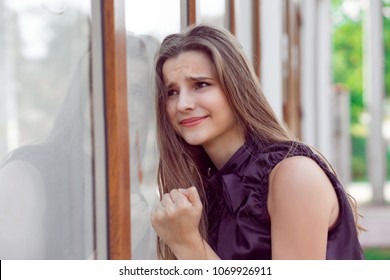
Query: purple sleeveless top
x=239, y=223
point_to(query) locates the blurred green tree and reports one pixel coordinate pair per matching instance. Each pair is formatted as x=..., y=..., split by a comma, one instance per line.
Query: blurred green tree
x=347, y=65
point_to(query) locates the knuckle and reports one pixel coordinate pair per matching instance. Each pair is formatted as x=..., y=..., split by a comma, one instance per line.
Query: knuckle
x=170, y=213
x=165, y=196
x=183, y=204
x=174, y=193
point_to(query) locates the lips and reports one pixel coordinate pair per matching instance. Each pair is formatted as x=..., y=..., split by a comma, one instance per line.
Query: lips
x=192, y=121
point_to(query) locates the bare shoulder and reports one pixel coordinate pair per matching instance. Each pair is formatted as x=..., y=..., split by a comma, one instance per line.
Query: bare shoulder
x=302, y=205
x=299, y=172
x=299, y=182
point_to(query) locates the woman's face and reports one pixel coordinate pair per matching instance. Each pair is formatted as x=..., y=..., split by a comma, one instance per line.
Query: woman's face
x=197, y=106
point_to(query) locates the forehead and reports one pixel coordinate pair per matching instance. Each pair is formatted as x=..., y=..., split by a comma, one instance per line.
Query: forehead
x=188, y=63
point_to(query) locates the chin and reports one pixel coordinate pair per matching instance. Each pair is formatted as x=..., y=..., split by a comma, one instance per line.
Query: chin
x=195, y=141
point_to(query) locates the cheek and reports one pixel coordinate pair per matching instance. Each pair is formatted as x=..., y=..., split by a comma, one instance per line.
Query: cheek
x=226, y=113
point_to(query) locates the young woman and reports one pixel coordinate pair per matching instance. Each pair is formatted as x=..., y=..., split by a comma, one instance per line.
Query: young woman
x=233, y=182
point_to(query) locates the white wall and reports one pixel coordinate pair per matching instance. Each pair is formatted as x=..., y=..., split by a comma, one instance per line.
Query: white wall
x=374, y=97
x=271, y=53
x=324, y=80
x=317, y=94
x=244, y=26
x=309, y=76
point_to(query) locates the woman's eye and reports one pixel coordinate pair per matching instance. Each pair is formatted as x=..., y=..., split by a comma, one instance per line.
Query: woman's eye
x=172, y=92
x=201, y=85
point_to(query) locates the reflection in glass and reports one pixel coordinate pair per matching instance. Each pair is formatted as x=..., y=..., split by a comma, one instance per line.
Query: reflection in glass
x=146, y=26
x=143, y=154
x=45, y=132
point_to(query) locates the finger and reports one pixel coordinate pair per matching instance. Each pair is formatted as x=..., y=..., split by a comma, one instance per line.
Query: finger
x=176, y=195
x=166, y=200
x=169, y=207
x=192, y=196
x=180, y=200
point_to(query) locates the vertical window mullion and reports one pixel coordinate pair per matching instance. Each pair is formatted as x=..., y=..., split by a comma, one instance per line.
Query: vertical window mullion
x=117, y=129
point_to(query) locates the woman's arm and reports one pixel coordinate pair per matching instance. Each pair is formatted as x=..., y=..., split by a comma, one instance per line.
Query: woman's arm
x=176, y=220
x=303, y=206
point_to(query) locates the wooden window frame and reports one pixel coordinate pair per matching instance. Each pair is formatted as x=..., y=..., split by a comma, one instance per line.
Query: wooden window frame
x=116, y=116
x=232, y=16
x=257, y=36
x=117, y=129
x=191, y=12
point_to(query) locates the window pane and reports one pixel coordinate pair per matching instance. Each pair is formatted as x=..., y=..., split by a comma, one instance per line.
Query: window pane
x=212, y=12
x=244, y=26
x=386, y=123
x=348, y=76
x=153, y=17
x=45, y=131
x=146, y=26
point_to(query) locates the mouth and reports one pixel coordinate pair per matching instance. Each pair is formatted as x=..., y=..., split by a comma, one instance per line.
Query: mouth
x=192, y=121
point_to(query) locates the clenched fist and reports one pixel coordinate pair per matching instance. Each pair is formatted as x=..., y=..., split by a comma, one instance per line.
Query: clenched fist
x=176, y=219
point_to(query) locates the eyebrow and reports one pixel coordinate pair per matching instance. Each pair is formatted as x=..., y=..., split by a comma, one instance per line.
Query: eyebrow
x=192, y=78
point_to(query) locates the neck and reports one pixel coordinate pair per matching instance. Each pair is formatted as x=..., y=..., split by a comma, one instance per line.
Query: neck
x=221, y=152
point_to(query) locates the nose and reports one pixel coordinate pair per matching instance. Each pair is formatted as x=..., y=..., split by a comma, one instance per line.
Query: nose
x=186, y=101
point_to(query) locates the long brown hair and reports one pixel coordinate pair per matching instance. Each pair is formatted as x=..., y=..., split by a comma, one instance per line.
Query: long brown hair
x=182, y=165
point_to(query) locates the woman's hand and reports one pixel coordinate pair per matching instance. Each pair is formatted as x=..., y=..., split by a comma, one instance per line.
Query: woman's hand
x=176, y=220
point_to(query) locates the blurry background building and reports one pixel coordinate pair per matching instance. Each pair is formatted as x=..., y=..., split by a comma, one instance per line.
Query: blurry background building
x=77, y=133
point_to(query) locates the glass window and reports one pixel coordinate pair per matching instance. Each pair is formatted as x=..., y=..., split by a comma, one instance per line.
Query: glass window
x=152, y=17
x=146, y=26
x=46, y=209
x=212, y=12
x=244, y=26
x=348, y=76
x=386, y=123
